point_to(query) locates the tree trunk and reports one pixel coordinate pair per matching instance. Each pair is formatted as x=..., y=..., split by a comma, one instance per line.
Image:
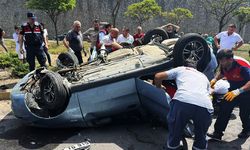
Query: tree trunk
x=220, y=25
x=56, y=30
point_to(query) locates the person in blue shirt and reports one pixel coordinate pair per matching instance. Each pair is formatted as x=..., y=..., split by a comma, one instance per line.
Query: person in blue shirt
x=238, y=76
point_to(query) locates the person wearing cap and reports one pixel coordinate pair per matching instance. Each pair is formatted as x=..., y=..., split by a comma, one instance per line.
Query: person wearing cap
x=110, y=41
x=15, y=35
x=31, y=35
x=92, y=34
x=229, y=39
x=2, y=34
x=138, y=36
x=125, y=37
x=172, y=30
x=238, y=76
x=187, y=104
x=73, y=41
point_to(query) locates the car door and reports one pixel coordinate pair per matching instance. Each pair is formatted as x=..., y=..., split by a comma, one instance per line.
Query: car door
x=154, y=100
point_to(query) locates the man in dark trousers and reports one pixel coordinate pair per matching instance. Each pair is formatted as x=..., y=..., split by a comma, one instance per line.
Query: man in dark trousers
x=190, y=102
x=74, y=41
x=32, y=35
x=238, y=76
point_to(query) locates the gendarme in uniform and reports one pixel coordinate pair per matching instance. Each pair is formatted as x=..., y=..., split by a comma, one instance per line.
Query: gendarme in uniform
x=33, y=41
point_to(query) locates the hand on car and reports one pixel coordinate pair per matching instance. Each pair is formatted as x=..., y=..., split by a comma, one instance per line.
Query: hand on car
x=230, y=96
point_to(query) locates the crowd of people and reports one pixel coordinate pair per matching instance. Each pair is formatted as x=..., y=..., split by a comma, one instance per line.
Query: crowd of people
x=188, y=103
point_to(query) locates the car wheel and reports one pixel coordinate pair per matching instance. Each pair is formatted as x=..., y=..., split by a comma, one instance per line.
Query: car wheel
x=192, y=48
x=157, y=34
x=54, y=94
x=67, y=60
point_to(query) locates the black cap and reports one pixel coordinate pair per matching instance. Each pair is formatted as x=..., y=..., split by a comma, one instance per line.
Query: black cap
x=30, y=15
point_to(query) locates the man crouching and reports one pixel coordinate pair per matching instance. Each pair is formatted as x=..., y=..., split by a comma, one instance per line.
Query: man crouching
x=190, y=102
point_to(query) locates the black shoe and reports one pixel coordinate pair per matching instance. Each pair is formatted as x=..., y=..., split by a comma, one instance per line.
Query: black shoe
x=215, y=136
x=244, y=135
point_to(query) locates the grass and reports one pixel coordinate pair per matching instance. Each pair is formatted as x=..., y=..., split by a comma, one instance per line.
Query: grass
x=244, y=52
x=53, y=47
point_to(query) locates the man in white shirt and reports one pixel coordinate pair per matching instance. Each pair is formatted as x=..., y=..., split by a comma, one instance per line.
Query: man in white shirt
x=125, y=37
x=16, y=39
x=229, y=39
x=190, y=102
x=110, y=41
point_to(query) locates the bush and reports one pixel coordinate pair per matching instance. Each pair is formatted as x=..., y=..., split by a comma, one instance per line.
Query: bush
x=10, y=60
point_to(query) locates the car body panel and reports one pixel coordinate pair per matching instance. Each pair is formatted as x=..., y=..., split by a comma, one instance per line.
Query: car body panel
x=108, y=100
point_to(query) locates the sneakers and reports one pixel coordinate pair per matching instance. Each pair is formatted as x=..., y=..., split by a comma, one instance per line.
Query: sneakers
x=244, y=135
x=215, y=136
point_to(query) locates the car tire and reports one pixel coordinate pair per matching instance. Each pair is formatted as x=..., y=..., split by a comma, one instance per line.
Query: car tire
x=54, y=94
x=67, y=59
x=192, y=48
x=151, y=34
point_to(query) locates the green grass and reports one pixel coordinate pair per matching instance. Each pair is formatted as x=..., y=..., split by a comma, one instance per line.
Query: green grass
x=243, y=51
x=53, y=47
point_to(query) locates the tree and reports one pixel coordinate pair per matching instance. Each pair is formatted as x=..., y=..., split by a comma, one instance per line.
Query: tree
x=222, y=10
x=115, y=11
x=243, y=17
x=53, y=8
x=143, y=11
x=178, y=15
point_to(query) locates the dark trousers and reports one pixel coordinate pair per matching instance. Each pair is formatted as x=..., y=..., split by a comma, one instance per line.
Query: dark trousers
x=79, y=56
x=226, y=108
x=32, y=54
x=180, y=113
x=46, y=51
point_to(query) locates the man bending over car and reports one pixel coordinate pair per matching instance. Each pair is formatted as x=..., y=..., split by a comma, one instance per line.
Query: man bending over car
x=110, y=41
x=190, y=102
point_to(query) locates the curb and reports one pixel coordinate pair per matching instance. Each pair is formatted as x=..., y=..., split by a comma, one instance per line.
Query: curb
x=5, y=94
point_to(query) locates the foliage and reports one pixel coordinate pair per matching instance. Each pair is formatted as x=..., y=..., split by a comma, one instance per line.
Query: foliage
x=222, y=10
x=10, y=60
x=243, y=16
x=53, y=8
x=178, y=15
x=143, y=11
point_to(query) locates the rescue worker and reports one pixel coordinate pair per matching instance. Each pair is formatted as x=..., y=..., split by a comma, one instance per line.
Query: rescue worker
x=74, y=41
x=229, y=39
x=187, y=104
x=32, y=36
x=238, y=76
x=103, y=32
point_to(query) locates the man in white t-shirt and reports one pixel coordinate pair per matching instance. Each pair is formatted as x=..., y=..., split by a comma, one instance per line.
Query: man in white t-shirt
x=125, y=37
x=16, y=39
x=190, y=102
x=229, y=39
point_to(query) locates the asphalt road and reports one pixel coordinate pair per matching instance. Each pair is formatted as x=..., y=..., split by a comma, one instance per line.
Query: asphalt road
x=131, y=134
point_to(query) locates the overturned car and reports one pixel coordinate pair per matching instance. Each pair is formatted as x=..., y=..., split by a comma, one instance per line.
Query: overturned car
x=91, y=94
